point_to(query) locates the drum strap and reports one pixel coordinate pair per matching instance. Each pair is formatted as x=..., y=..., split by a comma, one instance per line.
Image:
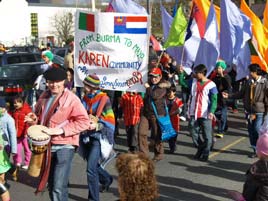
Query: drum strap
x=47, y=158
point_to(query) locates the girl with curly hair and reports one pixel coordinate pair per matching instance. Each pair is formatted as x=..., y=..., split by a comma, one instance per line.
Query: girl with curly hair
x=136, y=179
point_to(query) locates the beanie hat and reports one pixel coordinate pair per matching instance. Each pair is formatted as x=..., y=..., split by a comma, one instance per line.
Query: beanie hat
x=55, y=74
x=92, y=81
x=221, y=64
x=155, y=72
x=262, y=145
x=48, y=54
x=2, y=102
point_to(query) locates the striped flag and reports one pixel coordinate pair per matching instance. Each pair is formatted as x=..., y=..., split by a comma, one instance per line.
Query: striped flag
x=87, y=22
x=208, y=51
x=130, y=24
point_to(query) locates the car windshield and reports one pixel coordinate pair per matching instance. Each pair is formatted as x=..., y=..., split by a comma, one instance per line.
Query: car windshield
x=16, y=71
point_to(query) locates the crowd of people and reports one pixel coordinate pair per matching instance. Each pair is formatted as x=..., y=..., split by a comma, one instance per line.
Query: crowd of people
x=90, y=119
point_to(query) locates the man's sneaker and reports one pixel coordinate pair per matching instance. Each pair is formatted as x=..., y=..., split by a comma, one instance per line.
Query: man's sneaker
x=218, y=135
x=25, y=167
x=182, y=118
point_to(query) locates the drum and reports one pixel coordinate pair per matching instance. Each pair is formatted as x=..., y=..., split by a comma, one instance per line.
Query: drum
x=38, y=141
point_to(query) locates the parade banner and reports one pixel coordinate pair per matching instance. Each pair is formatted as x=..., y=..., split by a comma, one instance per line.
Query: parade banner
x=113, y=46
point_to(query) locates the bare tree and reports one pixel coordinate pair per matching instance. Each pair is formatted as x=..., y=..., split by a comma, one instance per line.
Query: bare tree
x=63, y=24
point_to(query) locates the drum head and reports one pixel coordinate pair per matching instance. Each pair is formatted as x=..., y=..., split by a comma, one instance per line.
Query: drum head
x=36, y=133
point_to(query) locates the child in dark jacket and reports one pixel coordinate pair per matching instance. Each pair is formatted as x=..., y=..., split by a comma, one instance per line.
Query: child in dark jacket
x=256, y=185
x=21, y=109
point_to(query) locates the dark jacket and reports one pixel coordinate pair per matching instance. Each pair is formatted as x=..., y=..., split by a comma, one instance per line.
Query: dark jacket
x=260, y=100
x=223, y=85
x=156, y=93
x=256, y=185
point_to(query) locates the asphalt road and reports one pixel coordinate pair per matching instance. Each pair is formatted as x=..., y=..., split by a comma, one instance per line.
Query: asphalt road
x=179, y=176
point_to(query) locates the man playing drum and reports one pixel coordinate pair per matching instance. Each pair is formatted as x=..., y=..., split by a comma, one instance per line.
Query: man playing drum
x=63, y=113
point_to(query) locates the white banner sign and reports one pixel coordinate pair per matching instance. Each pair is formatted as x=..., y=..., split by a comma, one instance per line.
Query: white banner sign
x=113, y=46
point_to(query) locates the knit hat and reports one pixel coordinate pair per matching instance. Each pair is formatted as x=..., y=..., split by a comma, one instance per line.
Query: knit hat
x=2, y=102
x=48, y=54
x=92, y=81
x=262, y=145
x=55, y=74
x=221, y=64
x=155, y=72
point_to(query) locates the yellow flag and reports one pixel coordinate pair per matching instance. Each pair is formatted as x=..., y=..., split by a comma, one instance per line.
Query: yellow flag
x=259, y=33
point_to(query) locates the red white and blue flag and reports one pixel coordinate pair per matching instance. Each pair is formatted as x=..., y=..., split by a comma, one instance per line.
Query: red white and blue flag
x=130, y=25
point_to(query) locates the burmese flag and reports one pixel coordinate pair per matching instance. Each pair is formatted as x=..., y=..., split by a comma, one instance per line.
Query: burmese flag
x=86, y=22
x=260, y=36
x=177, y=30
x=204, y=6
x=265, y=16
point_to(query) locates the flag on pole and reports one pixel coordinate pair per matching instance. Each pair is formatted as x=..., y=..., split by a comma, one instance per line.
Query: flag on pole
x=208, y=50
x=155, y=44
x=235, y=32
x=177, y=30
x=242, y=62
x=109, y=8
x=204, y=6
x=127, y=6
x=260, y=36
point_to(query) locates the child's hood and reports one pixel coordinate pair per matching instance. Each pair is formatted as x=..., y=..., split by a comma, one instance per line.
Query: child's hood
x=259, y=171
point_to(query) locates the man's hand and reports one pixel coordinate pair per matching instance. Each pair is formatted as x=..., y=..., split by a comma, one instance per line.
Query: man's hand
x=53, y=131
x=225, y=95
x=210, y=116
x=146, y=85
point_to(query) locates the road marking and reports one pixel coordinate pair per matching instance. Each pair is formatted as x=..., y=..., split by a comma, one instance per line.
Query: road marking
x=226, y=147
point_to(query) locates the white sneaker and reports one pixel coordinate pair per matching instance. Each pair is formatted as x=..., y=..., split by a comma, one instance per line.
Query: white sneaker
x=25, y=167
x=182, y=118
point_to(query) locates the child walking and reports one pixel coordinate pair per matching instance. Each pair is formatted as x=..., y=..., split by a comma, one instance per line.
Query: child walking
x=21, y=109
x=131, y=104
x=7, y=147
x=174, y=105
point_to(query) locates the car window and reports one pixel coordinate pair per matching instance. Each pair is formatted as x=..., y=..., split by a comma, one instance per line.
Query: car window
x=13, y=59
x=27, y=58
x=61, y=52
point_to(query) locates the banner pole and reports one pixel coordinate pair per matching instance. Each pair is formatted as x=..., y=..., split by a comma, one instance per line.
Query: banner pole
x=93, y=5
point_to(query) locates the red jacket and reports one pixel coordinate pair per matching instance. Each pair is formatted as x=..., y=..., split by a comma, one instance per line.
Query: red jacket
x=19, y=116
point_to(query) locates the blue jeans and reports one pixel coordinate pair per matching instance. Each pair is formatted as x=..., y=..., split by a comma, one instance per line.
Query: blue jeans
x=60, y=169
x=204, y=141
x=222, y=119
x=95, y=173
x=253, y=129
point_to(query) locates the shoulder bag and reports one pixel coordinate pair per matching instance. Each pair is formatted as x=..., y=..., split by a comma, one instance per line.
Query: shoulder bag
x=164, y=123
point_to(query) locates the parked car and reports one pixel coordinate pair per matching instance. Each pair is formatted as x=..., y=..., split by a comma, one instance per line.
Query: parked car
x=60, y=51
x=19, y=70
x=28, y=48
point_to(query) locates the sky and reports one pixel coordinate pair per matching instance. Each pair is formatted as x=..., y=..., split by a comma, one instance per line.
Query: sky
x=16, y=24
